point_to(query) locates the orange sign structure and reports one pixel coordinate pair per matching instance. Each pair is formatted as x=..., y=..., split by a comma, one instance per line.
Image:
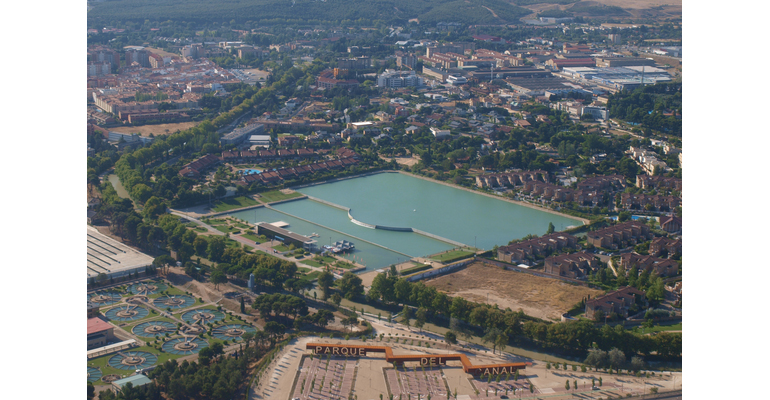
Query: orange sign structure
x=423, y=359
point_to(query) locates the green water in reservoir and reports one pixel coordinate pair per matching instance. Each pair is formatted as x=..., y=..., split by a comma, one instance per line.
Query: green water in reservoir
x=398, y=200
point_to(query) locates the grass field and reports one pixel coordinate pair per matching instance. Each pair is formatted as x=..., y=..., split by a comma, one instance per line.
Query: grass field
x=312, y=275
x=226, y=228
x=231, y=203
x=276, y=195
x=254, y=237
x=539, y=297
x=312, y=263
x=659, y=328
x=281, y=248
x=451, y=255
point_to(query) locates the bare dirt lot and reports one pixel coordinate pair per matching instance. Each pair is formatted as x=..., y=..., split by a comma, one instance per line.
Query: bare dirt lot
x=160, y=129
x=408, y=161
x=161, y=53
x=539, y=297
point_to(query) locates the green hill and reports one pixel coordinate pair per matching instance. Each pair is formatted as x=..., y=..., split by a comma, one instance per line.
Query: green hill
x=305, y=11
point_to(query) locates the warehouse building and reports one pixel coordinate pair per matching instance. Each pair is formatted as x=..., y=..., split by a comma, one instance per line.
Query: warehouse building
x=112, y=258
x=286, y=237
x=241, y=134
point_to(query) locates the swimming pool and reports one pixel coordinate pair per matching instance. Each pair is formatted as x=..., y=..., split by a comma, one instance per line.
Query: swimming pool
x=250, y=171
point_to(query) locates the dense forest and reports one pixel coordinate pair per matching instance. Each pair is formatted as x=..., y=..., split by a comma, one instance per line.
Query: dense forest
x=306, y=11
x=656, y=107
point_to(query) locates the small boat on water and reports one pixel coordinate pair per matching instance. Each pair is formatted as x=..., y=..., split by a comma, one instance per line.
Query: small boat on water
x=340, y=247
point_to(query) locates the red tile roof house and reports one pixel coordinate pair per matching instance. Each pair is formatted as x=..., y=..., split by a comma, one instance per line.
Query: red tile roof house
x=510, y=178
x=657, y=182
x=195, y=168
x=519, y=252
x=618, y=302
x=661, y=245
x=575, y=265
x=662, y=266
x=617, y=182
x=671, y=223
x=232, y=156
x=639, y=201
x=619, y=236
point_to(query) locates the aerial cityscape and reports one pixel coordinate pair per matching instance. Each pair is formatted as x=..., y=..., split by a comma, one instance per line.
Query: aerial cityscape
x=335, y=199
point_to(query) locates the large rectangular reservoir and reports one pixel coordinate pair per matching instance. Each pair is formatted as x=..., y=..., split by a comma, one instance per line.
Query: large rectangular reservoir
x=452, y=216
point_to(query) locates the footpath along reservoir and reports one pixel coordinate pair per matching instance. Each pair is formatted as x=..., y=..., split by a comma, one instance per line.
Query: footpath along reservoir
x=452, y=216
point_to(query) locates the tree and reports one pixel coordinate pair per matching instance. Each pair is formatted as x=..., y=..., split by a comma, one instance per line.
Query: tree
x=450, y=337
x=336, y=299
x=421, y=317
x=350, y=285
x=216, y=248
x=217, y=277
x=350, y=321
x=274, y=330
x=243, y=306
x=636, y=363
x=491, y=336
x=616, y=358
x=551, y=228
x=596, y=358
x=406, y=314
x=325, y=280
x=501, y=341
x=574, y=384
x=566, y=385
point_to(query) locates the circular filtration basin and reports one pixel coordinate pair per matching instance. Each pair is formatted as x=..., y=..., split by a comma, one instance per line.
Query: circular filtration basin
x=110, y=378
x=94, y=374
x=184, y=346
x=202, y=316
x=103, y=298
x=174, y=301
x=132, y=360
x=127, y=313
x=153, y=328
x=231, y=332
x=147, y=288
